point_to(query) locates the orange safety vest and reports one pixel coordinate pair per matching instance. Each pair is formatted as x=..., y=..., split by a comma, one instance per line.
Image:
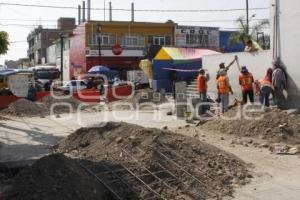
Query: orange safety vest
x=246, y=82
x=222, y=85
x=266, y=82
x=201, y=83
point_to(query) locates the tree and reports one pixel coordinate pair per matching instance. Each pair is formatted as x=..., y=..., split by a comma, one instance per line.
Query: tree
x=246, y=33
x=4, y=43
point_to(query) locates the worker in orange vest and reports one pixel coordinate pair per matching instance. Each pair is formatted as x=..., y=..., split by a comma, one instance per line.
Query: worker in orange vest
x=202, y=80
x=246, y=81
x=264, y=88
x=224, y=88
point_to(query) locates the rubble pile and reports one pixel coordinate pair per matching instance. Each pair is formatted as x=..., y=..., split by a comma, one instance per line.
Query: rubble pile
x=25, y=108
x=56, y=177
x=274, y=125
x=174, y=166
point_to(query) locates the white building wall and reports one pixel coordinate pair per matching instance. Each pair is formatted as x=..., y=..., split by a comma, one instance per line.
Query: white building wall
x=51, y=54
x=257, y=63
x=288, y=29
x=66, y=66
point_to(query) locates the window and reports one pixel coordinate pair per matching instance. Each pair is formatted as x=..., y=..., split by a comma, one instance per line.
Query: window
x=105, y=39
x=159, y=40
x=133, y=40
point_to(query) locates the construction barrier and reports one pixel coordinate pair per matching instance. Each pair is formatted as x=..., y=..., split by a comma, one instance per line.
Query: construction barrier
x=86, y=96
x=6, y=100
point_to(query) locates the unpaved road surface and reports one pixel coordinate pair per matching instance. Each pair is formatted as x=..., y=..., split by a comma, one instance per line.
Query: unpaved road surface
x=31, y=138
x=275, y=177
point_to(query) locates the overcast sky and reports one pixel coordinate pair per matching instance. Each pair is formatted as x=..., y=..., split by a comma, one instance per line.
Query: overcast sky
x=16, y=17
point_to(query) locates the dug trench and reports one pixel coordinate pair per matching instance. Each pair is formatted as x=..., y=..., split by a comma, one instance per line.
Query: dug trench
x=125, y=161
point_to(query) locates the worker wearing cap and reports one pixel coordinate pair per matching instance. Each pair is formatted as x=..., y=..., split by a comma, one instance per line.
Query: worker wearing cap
x=222, y=66
x=224, y=88
x=202, y=80
x=246, y=81
x=226, y=68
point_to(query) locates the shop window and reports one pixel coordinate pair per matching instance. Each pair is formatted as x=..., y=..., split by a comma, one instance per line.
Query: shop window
x=133, y=40
x=105, y=39
x=159, y=40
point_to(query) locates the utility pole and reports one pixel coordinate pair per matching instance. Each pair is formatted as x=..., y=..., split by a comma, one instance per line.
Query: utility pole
x=104, y=10
x=61, y=57
x=99, y=43
x=247, y=16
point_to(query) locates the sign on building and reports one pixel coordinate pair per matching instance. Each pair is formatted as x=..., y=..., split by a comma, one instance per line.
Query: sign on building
x=197, y=36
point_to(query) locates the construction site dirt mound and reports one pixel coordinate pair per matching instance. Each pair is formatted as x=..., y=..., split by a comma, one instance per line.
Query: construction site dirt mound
x=61, y=105
x=273, y=125
x=25, y=108
x=56, y=177
x=142, y=163
x=144, y=99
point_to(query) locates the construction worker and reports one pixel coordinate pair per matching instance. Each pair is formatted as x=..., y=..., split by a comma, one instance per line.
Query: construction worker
x=226, y=68
x=224, y=89
x=222, y=66
x=252, y=46
x=246, y=81
x=279, y=81
x=202, y=80
x=264, y=88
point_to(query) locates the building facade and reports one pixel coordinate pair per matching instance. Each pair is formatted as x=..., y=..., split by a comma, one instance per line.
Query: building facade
x=197, y=37
x=122, y=44
x=54, y=56
x=40, y=39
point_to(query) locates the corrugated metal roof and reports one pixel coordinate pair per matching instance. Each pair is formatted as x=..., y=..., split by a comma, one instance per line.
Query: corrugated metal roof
x=171, y=53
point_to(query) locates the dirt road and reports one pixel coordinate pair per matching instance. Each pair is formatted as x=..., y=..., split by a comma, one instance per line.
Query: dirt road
x=31, y=138
x=275, y=177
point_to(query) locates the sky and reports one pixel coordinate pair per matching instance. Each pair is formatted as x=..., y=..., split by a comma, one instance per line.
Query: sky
x=20, y=21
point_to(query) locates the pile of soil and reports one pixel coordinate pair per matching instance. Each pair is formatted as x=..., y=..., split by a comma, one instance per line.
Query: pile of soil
x=25, y=108
x=181, y=167
x=49, y=101
x=275, y=126
x=56, y=177
x=140, y=100
x=2, y=118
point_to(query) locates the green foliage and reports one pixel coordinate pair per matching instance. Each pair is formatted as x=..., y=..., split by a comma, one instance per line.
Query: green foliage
x=247, y=33
x=4, y=43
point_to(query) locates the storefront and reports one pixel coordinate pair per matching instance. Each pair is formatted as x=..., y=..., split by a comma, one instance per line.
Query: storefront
x=197, y=37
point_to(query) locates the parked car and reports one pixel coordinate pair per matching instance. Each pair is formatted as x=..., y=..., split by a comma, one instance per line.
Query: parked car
x=73, y=86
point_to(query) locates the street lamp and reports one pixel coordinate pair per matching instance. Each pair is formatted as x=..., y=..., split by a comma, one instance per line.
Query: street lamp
x=99, y=42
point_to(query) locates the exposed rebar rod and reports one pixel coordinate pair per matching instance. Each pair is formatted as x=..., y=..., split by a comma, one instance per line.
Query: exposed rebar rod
x=101, y=181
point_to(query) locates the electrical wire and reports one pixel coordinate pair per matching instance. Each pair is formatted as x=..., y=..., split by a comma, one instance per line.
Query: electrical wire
x=53, y=20
x=136, y=10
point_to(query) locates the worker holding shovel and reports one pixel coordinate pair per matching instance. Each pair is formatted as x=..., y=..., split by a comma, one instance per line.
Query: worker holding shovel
x=224, y=88
x=222, y=67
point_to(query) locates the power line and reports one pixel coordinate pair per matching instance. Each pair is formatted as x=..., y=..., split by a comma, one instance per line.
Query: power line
x=136, y=10
x=53, y=20
x=27, y=25
x=224, y=20
x=29, y=20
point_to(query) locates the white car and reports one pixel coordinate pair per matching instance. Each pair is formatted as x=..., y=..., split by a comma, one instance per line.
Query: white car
x=73, y=86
